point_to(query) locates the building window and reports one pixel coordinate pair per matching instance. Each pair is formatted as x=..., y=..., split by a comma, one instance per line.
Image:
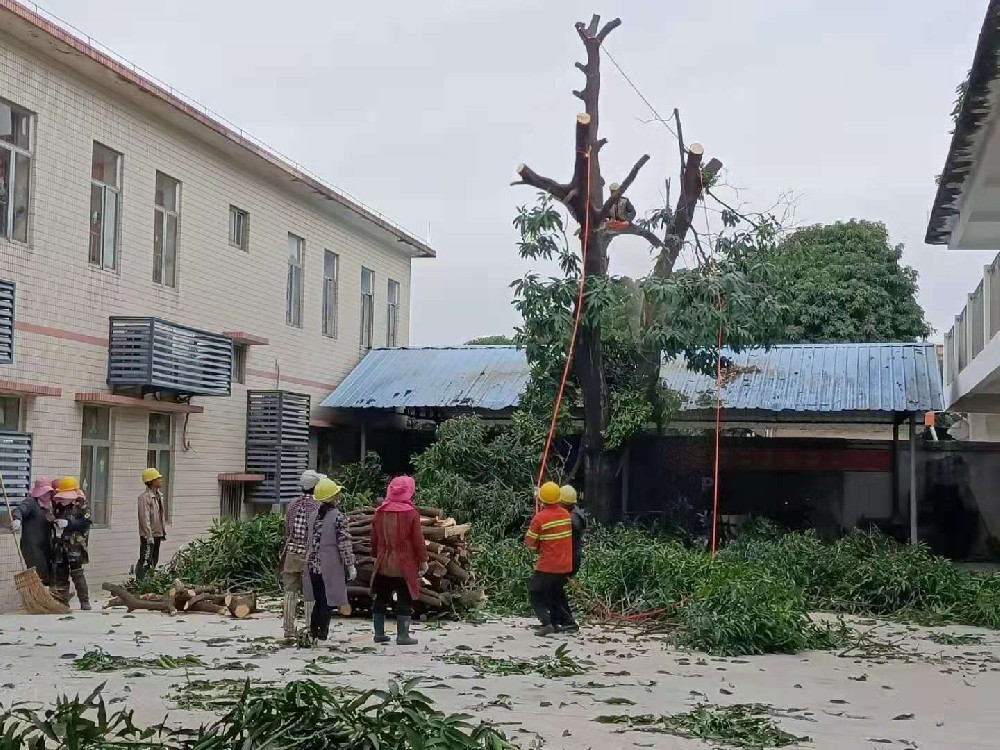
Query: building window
x=10, y=413
x=293, y=290
x=159, y=450
x=367, y=306
x=15, y=171
x=392, y=314
x=105, y=206
x=165, y=222
x=331, y=277
x=231, y=501
x=240, y=352
x=239, y=228
x=95, y=461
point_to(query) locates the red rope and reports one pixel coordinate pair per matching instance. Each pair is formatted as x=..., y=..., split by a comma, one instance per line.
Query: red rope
x=718, y=432
x=572, y=341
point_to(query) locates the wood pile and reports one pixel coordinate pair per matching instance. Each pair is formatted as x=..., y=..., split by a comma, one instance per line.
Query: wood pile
x=183, y=599
x=449, y=582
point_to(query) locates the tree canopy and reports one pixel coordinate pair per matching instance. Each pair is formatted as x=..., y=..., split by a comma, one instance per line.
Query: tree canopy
x=844, y=282
x=496, y=340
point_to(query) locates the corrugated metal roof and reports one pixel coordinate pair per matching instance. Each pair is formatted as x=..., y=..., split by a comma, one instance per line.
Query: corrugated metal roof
x=490, y=378
x=819, y=378
x=804, y=378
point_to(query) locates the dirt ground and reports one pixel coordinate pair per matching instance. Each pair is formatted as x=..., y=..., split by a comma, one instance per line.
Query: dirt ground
x=916, y=692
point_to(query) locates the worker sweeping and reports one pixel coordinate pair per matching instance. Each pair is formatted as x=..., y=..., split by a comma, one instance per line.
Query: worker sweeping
x=330, y=560
x=563, y=620
x=293, y=556
x=31, y=517
x=152, y=522
x=400, y=560
x=70, y=539
x=551, y=535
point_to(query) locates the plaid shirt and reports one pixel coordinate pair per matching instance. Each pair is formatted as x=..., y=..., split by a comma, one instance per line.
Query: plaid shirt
x=345, y=545
x=297, y=542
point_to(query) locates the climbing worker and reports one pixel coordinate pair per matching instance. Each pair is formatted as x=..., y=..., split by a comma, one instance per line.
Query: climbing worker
x=551, y=535
x=70, y=537
x=152, y=522
x=293, y=555
x=330, y=560
x=563, y=620
x=32, y=518
x=400, y=560
x=622, y=211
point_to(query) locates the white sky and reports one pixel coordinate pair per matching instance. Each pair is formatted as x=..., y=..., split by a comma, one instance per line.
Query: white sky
x=423, y=110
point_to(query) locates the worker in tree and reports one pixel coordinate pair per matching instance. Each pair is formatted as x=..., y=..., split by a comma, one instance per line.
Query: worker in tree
x=70, y=538
x=563, y=620
x=622, y=211
x=330, y=560
x=551, y=535
x=293, y=556
x=32, y=518
x=152, y=522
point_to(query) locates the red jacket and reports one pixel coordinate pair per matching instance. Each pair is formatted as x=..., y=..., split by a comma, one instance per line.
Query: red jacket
x=398, y=547
x=551, y=533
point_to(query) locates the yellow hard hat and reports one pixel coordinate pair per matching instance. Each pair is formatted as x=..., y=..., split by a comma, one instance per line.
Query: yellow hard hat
x=326, y=489
x=567, y=494
x=549, y=493
x=148, y=475
x=67, y=484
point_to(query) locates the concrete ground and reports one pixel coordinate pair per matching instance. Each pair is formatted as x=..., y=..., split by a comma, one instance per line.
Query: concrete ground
x=904, y=690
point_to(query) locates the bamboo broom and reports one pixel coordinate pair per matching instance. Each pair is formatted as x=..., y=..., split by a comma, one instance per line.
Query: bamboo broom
x=35, y=597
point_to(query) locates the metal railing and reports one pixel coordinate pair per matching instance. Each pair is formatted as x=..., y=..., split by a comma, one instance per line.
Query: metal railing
x=976, y=326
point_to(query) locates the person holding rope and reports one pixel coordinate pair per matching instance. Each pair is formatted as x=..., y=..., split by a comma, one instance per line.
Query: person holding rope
x=563, y=620
x=550, y=534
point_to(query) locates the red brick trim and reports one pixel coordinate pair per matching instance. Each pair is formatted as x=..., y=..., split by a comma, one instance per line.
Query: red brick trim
x=246, y=339
x=291, y=379
x=236, y=477
x=60, y=333
x=29, y=389
x=113, y=399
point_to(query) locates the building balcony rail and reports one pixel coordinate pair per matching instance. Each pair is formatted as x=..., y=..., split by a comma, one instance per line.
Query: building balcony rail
x=975, y=326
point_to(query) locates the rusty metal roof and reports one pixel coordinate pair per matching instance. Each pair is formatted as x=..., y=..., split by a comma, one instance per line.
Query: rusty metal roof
x=487, y=378
x=850, y=380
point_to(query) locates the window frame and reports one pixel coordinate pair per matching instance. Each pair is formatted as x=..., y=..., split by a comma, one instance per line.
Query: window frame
x=166, y=213
x=18, y=413
x=331, y=295
x=106, y=189
x=241, y=353
x=157, y=449
x=293, y=283
x=393, y=294
x=242, y=243
x=100, y=511
x=367, y=308
x=16, y=151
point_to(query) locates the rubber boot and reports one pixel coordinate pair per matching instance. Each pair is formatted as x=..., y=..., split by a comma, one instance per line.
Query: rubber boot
x=82, y=590
x=288, y=607
x=403, y=637
x=378, y=622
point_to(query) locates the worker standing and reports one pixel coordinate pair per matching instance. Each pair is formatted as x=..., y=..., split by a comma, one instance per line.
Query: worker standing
x=293, y=555
x=330, y=560
x=152, y=522
x=551, y=535
x=32, y=517
x=563, y=621
x=70, y=539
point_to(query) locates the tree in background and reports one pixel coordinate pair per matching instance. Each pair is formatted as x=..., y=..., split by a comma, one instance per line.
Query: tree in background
x=498, y=340
x=844, y=282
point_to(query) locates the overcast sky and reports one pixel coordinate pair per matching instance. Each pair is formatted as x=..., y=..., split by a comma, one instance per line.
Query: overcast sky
x=423, y=111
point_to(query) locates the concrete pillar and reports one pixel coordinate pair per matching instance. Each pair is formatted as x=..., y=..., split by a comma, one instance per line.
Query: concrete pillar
x=913, y=479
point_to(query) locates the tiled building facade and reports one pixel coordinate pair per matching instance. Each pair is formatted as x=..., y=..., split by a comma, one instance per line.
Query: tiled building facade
x=120, y=200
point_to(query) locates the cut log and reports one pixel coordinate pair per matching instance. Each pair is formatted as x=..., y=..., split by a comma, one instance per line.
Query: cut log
x=459, y=573
x=132, y=602
x=217, y=600
x=431, y=512
x=472, y=597
x=458, y=531
x=241, y=605
x=437, y=569
x=206, y=607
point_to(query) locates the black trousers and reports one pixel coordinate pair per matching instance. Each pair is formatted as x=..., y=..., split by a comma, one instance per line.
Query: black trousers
x=562, y=613
x=546, y=591
x=149, y=555
x=383, y=587
x=319, y=623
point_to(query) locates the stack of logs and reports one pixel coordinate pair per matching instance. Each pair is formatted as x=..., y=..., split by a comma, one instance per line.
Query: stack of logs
x=449, y=581
x=182, y=599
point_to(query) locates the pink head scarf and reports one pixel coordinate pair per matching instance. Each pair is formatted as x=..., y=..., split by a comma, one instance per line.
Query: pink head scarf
x=399, y=495
x=42, y=491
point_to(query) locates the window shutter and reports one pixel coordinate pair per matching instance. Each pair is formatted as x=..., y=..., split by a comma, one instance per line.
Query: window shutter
x=6, y=322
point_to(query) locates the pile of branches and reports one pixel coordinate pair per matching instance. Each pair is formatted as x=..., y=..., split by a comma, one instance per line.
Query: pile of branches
x=185, y=599
x=449, y=583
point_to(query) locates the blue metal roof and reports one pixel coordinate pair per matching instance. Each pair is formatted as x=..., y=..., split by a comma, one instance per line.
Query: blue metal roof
x=490, y=378
x=803, y=378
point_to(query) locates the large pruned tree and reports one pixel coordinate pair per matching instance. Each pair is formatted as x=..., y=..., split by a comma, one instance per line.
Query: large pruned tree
x=626, y=327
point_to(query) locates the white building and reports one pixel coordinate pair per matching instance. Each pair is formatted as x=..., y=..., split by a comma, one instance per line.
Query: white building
x=120, y=199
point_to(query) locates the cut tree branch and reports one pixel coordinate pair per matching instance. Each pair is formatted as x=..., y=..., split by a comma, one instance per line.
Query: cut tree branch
x=531, y=178
x=636, y=231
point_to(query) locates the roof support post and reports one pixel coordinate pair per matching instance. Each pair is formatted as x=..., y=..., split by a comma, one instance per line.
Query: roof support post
x=894, y=463
x=913, y=479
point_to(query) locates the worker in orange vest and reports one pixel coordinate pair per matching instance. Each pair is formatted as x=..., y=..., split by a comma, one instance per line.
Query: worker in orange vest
x=551, y=535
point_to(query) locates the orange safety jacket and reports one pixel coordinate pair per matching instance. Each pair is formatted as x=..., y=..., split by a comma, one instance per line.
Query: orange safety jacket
x=551, y=533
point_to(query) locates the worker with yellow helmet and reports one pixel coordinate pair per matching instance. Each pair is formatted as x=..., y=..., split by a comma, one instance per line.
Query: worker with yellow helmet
x=70, y=541
x=152, y=521
x=563, y=620
x=550, y=534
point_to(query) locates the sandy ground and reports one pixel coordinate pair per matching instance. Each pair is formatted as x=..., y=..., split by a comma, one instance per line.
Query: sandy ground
x=923, y=694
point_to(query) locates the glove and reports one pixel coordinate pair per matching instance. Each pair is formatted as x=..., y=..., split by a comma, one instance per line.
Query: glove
x=422, y=570
x=62, y=523
x=352, y=573
x=15, y=525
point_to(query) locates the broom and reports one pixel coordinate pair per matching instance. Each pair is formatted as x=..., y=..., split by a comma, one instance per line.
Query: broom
x=35, y=597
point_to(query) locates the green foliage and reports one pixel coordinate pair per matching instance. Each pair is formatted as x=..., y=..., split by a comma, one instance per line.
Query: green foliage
x=364, y=484
x=236, y=555
x=299, y=714
x=557, y=664
x=497, y=340
x=844, y=282
x=99, y=660
x=739, y=725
